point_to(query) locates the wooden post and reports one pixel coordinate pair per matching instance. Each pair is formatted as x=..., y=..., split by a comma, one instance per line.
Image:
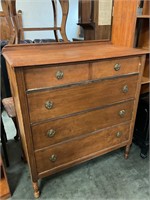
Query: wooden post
x=124, y=22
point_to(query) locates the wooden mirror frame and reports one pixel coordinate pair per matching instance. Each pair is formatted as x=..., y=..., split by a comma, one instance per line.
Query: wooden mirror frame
x=123, y=23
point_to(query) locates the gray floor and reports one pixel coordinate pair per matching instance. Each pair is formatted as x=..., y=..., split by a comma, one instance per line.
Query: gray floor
x=107, y=177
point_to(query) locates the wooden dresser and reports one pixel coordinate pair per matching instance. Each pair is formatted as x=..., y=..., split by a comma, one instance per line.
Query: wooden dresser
x=74, y=102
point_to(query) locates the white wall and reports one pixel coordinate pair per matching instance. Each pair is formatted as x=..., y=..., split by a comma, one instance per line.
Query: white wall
x=39, y=13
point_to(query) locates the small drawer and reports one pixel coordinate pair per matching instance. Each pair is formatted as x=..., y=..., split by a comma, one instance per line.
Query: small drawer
x=44, y=77
x=65, y=101
x=78, y=149
x=56, y=131
x=115, y=67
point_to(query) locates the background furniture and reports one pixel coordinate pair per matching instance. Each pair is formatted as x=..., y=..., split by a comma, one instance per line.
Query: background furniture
x=5, y=30
x=132, y=30
x=3, y=141
x=57, y=112
x=5, y=191
x=143, y=40
x=124, y=22
x=141, y=130
x=16, y=26
x=89, y=20
x=9, y=107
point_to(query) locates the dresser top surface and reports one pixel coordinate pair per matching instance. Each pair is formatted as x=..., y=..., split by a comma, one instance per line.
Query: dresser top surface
x=45, y=54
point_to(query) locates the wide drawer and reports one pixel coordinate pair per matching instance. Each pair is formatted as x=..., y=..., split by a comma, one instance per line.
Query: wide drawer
x=115, y=67
x=64, y=101
x=43, y=77
x=56, y=131
x=65, y=153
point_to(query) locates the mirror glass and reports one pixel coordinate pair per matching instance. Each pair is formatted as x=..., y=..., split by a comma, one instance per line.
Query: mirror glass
x=86, y=20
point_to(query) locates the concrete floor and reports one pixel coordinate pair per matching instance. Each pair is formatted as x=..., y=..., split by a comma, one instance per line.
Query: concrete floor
x=108, y=177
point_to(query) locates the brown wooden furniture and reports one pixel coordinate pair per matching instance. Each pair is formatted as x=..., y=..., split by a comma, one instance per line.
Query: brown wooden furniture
x=5, y=30
x=16, y=26
x=143, y=41
x=4, y=186
x=91, y=22
x=73, y=103
x=124, y=21
x=130, y=29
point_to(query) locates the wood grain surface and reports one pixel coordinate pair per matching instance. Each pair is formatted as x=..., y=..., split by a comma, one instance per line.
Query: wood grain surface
x=70, y=127
x=79, y=98
x=35, y=55
x=78, y=148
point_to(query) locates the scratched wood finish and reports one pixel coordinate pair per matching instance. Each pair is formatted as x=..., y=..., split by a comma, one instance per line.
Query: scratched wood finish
x=79, y=98
x=73, y=126
x=71, y=74
x=77, y=148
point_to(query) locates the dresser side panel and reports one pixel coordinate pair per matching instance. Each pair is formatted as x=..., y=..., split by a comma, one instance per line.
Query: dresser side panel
x=137, y=94
x=16, y=78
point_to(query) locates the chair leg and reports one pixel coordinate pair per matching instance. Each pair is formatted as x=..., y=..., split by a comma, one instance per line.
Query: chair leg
x=3, y=140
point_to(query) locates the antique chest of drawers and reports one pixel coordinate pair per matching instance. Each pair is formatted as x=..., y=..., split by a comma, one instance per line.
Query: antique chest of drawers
x=74, y=102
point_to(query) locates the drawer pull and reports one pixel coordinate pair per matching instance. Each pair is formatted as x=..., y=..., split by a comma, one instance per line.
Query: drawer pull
x=51, y=133
x=125, y=89
x=59, y=75
x=49, y=105
x=53, y=158
x=118, y=134
x=117, y=67
x=122, y=113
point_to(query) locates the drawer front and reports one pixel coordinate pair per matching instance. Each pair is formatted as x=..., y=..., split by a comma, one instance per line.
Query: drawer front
x=115, y=67
x=65, y=153
x=63, y=129
x=44, y=77
x=64, y=101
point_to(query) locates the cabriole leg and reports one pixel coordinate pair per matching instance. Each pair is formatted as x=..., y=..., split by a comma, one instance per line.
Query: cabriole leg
x=36, y=189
